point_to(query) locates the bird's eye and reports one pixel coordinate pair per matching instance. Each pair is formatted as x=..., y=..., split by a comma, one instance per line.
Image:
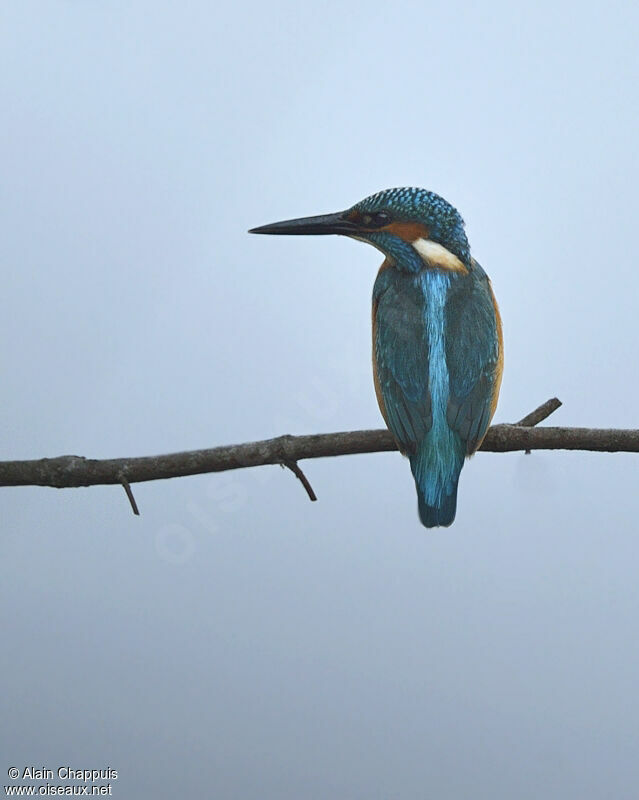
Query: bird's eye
x=375, y=220
x=381, y=218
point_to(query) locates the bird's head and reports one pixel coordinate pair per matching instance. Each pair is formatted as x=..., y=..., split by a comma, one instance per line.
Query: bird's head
x=412, y=227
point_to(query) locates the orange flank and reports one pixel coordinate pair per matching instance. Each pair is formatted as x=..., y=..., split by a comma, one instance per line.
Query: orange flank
x=499, y=369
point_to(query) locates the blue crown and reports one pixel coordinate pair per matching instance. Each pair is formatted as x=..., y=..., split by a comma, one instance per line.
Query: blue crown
x=444, y=222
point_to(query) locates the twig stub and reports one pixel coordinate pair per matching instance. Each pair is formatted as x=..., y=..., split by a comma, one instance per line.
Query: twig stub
x=129, y=494
x=540, y=414
x=297, y=471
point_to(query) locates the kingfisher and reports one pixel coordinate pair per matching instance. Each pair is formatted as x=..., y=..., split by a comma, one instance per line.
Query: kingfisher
x=437, y=335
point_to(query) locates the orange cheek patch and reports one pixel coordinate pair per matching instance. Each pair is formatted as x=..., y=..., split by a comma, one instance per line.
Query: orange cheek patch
x=408, y=231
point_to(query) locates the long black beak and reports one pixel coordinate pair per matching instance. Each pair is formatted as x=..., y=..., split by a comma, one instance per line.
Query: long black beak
x=317, y=226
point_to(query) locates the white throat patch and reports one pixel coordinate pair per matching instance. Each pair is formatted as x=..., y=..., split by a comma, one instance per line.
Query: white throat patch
x=436, y=255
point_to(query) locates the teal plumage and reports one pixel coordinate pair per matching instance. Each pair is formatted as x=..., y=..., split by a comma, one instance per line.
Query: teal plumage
x=437, y=343
x=435, y=352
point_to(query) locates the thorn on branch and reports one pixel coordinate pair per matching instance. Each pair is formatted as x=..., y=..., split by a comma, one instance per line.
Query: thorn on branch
x=129, y=494
x=296, y=470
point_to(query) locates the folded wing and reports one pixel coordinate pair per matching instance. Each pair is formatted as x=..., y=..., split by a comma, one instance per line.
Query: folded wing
x=474, y=357
x=400, y=356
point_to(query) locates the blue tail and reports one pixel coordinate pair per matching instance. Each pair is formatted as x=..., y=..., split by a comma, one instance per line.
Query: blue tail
x=442, y=514
x=436, y=477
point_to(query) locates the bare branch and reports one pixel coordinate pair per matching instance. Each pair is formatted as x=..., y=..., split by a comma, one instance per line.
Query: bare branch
x=70, y=471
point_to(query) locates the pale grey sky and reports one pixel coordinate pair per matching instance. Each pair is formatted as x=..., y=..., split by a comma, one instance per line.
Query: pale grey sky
x=237, y=641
